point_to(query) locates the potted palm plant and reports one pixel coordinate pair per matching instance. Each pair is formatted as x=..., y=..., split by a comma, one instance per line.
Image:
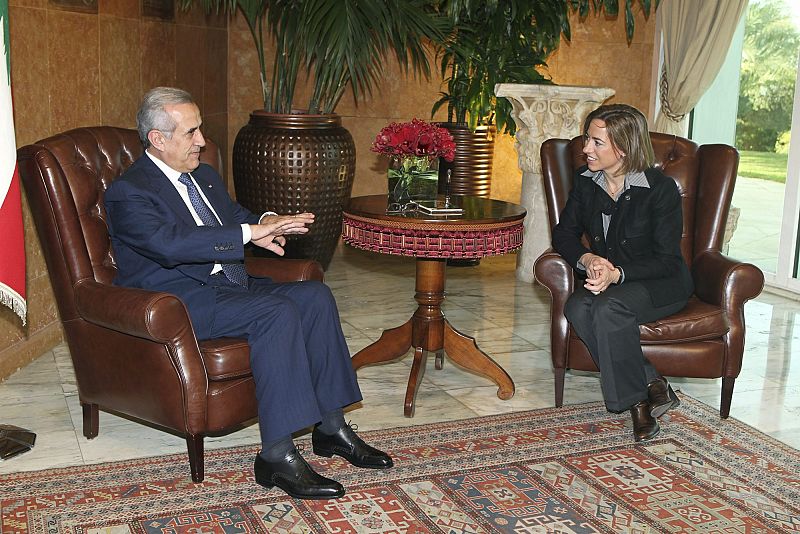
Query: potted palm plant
x=491, y=42
x=288, y=159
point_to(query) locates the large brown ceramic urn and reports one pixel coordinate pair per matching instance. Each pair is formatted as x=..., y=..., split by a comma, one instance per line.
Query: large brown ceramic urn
x=471, y=170
x=290, y=163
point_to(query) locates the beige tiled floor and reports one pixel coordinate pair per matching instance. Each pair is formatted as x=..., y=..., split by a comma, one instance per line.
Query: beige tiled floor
x=508, y=318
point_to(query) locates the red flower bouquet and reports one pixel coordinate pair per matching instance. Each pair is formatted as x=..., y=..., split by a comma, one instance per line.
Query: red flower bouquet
x=416, y=138
x=414, y=148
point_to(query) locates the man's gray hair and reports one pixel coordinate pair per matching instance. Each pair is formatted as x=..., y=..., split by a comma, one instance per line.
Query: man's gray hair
x=153, y=116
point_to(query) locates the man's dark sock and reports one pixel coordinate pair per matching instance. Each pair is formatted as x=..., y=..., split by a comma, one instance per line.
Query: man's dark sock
x=332, y=422
x=274, y=451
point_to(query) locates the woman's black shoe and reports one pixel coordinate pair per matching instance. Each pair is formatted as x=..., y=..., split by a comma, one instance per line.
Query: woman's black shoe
x=644, y=425
x=294, y=476
x=661, y=397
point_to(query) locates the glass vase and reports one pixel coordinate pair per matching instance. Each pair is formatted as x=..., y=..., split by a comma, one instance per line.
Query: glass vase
x=413, y=178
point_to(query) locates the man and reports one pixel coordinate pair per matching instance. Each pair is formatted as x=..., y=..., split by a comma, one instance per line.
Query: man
x=174, y=228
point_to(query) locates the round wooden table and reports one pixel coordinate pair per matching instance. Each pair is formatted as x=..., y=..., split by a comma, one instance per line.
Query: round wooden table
x=486, y=227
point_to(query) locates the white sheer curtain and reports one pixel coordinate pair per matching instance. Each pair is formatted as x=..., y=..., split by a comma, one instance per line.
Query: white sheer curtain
x=696, y=37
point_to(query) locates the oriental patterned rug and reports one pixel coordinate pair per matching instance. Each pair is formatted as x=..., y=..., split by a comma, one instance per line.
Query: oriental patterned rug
x=573, y=469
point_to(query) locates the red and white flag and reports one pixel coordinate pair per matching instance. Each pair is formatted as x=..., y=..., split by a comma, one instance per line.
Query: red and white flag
x=12, y=245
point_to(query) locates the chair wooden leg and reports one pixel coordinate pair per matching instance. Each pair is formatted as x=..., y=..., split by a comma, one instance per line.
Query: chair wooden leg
x=559, y=378
x=195, y=446
x=727, y=396
x=91, y=420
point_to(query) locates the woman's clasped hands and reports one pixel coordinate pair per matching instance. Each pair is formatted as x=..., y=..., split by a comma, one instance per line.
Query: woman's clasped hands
x=600, y=273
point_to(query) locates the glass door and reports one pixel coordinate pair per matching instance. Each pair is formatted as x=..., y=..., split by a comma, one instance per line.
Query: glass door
x=788, y=272
x=754, y=105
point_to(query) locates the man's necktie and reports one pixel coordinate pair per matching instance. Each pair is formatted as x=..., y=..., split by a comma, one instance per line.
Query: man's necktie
x=235, y=272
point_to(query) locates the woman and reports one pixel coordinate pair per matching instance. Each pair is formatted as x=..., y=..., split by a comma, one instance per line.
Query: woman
x=634, y=271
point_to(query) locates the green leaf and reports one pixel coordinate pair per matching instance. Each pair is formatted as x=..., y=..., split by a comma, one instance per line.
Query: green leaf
x=629, y=20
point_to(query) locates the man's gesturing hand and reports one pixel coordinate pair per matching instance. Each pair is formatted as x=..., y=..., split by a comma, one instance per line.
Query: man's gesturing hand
x=269, y=232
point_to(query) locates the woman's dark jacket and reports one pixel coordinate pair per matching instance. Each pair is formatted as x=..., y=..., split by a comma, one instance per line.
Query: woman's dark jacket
x=644, y=234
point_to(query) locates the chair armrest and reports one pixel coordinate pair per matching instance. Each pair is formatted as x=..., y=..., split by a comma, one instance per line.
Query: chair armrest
x=162, y=319
x=729, y=284
x=158, y=316
x=554, y=273
x=725, y=282
x=285, y=270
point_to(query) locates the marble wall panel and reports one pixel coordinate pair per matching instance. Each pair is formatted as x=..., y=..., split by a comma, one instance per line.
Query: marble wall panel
x=599, y=56
x=194, y=16
x=215, y=69
x=12, y=333
x=604, y=29
x=34, y=258
x=594, y=71
x=26, y=3
x=197, y=16
x=120, y=76
x=243, y=83
x=215, y=126
x=29, y=74
x=42, y=310
x=370, y=167
x=158, y=54
x=217, y=19
x=188, y=70
x=397, y=96
x=73, y=69
x=244, y=87
x=120, y=8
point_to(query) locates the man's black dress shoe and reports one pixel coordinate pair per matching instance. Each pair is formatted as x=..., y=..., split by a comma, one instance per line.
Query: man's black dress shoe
x=294, y=476
x=644, y=425
x=352, y=448
x=661, y=397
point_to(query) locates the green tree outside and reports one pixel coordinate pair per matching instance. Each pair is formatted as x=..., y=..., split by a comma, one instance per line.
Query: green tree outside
x=769, y=63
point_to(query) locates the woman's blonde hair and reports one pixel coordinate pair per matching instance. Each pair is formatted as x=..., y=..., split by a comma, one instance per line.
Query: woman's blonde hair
x=627, y=131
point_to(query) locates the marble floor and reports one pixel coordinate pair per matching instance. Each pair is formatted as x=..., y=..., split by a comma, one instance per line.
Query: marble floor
x=509, y=320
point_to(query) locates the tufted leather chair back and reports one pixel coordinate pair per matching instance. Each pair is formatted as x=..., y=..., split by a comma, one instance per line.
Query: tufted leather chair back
x=705, y=202
x=66, y=177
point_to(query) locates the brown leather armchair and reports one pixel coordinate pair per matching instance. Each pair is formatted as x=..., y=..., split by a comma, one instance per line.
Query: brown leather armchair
x=134, y=351
x=705, y=339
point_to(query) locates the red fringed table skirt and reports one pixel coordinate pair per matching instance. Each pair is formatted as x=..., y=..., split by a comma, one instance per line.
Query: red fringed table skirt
x=423, y=239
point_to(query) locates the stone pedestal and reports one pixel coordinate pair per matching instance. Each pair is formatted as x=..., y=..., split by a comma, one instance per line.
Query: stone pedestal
x=542, y=112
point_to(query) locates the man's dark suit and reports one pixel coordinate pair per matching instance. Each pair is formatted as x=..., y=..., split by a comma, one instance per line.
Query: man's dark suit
x=299, y=358
x=643, y=239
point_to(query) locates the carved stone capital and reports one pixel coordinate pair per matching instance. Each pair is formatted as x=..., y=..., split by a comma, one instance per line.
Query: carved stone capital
x=545, y=111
